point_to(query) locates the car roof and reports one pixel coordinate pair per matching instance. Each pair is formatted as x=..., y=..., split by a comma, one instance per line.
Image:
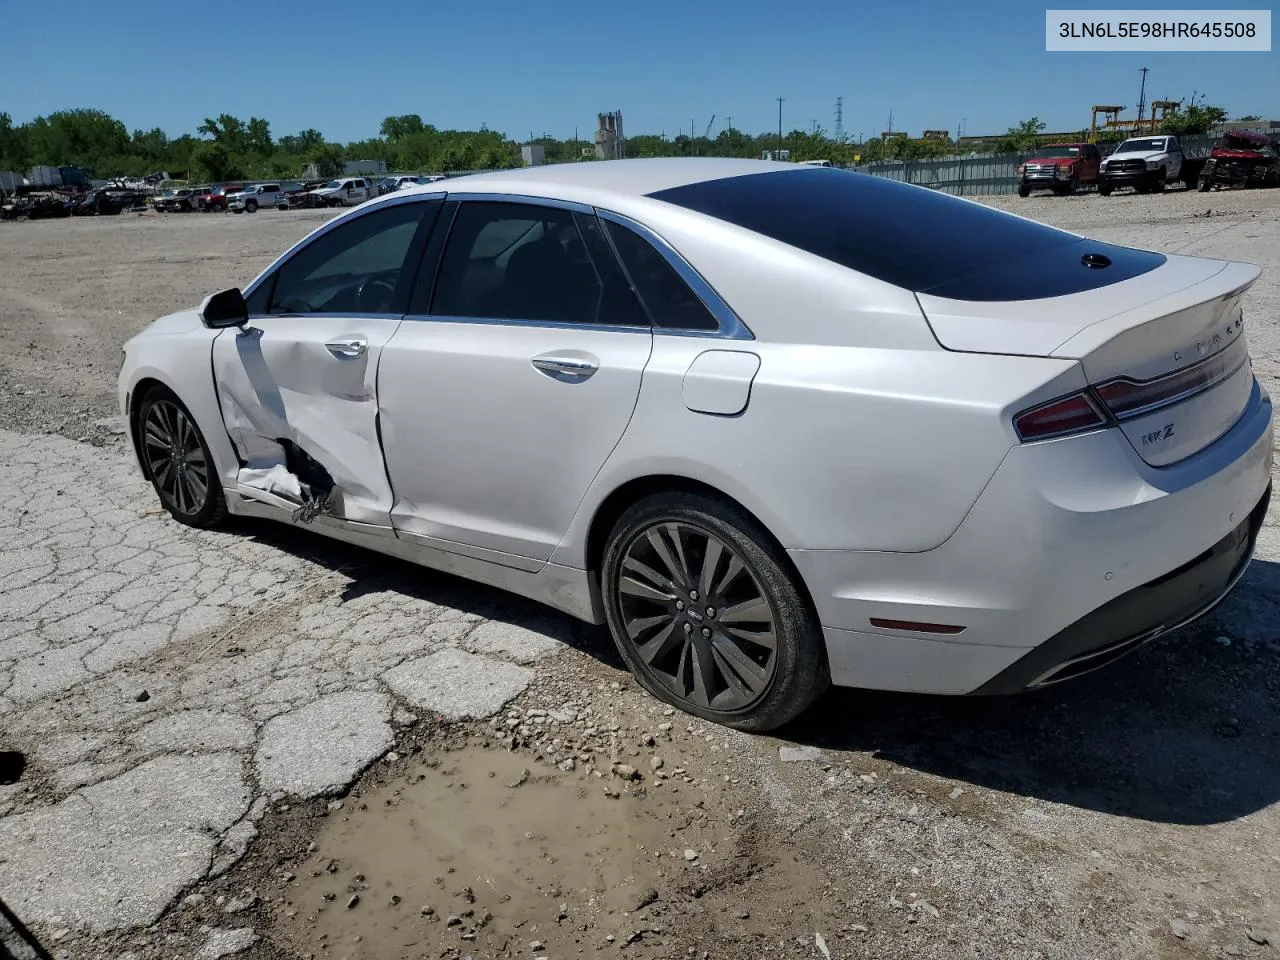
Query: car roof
x=598, y=180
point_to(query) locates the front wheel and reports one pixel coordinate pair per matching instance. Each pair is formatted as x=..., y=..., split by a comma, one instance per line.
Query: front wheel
x=708, y=615
x=1024, y=190
x=177, y=461
x=251, y=206
x=1104, y=189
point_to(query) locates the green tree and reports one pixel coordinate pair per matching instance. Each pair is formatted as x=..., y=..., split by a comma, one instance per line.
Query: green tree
x=328, y=159
x=215, y=161
x=1195, y=117
x=15, y=149
x=1024, y=137
x=398, y=128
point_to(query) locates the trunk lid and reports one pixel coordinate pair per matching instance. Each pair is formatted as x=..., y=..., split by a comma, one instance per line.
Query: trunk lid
x=1164, y=352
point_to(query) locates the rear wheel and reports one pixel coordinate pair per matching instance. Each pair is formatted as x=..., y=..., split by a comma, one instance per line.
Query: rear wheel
x=707, y=614
x=177, y=461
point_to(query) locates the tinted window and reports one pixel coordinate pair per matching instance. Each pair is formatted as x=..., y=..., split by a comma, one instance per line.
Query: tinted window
x=667, y=298
x=911, y=237
x=354, y=268
x=519, y=262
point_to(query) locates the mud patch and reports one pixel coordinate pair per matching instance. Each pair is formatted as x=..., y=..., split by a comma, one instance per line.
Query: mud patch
x=490, y=851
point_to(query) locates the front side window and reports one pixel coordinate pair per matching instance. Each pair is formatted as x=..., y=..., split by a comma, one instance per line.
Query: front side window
x=670, y=302
x=353, y=268
x=517, y=261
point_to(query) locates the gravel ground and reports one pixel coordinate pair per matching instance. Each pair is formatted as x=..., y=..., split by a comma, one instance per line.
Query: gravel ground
x=231, y=750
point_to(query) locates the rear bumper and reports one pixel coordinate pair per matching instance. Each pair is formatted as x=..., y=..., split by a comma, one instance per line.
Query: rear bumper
x=1133, y=619
x=1063, y=550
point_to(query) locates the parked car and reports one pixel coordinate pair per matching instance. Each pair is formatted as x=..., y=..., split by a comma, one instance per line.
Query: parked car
x=1242, y=158
x=1060, y=167
x=181, y=200
x=249, y=199
x=215, y=198
x=1023, y=452
x=1144, y=163
x=399, y=182
x=347, y=192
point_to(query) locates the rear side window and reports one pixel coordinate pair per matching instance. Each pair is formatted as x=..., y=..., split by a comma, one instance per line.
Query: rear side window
x=667, y=298
x=514, y=261
x=921, y=240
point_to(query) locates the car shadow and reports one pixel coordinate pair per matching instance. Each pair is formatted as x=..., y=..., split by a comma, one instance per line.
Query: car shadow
x=373, y=573
x=1185, y=730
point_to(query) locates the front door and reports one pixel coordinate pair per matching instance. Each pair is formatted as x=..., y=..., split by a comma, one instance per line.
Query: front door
x=298, y=386
x=502, y=401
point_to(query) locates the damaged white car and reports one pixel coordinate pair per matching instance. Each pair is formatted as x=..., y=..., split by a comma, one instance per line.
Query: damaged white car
x=750, y=415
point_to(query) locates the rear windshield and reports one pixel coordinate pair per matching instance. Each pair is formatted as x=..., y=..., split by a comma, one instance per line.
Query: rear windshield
x=918, y=239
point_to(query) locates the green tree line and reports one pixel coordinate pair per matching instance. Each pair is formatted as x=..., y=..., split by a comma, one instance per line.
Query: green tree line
x=227, y=147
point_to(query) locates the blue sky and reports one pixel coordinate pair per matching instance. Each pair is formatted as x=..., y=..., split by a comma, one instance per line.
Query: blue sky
x=522, y=66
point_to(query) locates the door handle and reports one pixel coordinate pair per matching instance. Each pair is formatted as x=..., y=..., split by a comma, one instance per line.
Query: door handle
x=355, y=347
x=569, y=368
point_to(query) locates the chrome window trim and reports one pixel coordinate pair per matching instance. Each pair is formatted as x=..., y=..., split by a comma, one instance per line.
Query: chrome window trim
x=731, y=326
x=473, y=197
x=517, y=322
x=391, y=199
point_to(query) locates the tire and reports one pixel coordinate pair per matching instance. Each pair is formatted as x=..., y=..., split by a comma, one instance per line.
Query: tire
x=251, y=206
x=750, y=687
x=1204, y=185
x=1024, y=190
x=1104, y=189
x=162, y=417
x=1143, y=188
x=1158, y=184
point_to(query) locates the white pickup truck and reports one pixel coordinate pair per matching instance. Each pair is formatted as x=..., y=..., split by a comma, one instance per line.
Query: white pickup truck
x=347, y=192
x=1144, y=163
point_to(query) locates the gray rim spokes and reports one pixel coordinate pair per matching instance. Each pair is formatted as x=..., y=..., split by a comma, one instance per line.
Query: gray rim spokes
x=697, y=616
x=175, y=456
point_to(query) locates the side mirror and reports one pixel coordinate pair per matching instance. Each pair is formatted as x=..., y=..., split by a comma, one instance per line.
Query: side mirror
x=225, y=309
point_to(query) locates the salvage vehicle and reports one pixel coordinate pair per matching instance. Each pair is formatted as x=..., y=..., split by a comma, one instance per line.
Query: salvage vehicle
x=249, y=199
x=1242, y=158
x=344, y=193
x=214, y=199
x=1060, y=167
x=182, y=200
x=1145, y=163
x=1025, y=452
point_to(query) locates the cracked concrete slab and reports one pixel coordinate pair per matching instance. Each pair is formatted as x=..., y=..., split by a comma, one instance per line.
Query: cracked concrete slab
x=163, y=681
x=455, y=684
x=322, y=747
x=114, y=854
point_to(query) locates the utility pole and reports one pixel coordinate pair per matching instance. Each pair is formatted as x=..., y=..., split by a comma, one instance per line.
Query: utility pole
x=814, y=124
x=1142, y=97
x=839, y=119
x=779, y=157
x=693, y=144
x=728, y=122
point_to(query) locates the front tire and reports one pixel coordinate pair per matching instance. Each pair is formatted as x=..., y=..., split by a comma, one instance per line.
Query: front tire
x=1104, y=189
x=707, y=614
x=1024, y=190
x=251, y=206
x=177, y=461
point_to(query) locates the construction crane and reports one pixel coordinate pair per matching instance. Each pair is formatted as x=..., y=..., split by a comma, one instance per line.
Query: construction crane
x=706, y=134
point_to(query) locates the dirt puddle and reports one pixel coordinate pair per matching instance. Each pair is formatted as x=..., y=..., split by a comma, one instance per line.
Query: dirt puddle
x=479, y=851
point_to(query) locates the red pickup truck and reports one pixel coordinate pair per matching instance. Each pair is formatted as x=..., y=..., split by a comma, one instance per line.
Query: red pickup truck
x=1060, y=167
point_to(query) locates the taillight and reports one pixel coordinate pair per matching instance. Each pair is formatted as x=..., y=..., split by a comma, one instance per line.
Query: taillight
x=1058, y=418
x=1129, y=398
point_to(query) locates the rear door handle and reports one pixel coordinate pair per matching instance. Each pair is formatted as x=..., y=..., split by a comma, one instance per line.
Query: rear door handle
x=565, y=368
x=354, y=347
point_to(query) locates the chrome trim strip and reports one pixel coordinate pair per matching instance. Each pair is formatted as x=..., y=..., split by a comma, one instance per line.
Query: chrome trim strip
x=391, y=199
x=517, y=322
x=1181, y=372
x=731, y=326
x=521, y=198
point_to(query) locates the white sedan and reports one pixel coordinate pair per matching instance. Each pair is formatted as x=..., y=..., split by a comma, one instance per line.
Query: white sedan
x=775, y=426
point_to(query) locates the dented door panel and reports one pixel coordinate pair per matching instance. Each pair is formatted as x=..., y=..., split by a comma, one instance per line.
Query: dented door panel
x=308, y=383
